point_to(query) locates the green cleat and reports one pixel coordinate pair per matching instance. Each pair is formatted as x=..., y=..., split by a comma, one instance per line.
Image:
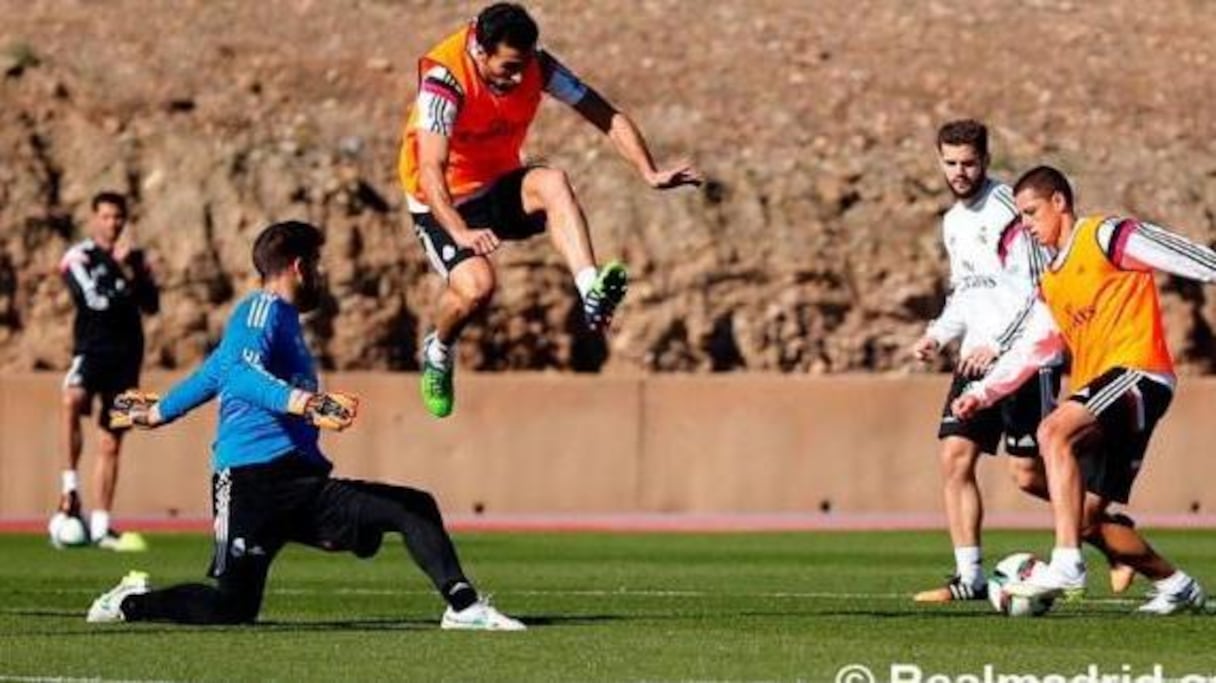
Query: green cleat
x=605, y=295
x=437, y=393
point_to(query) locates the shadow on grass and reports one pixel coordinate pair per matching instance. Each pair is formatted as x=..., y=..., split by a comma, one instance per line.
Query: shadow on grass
x=377, y=624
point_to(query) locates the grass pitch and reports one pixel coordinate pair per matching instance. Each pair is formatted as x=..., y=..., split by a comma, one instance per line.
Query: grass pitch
x=601, y=607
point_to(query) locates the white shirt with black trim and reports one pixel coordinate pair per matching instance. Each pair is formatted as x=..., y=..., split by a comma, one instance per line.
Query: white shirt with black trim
x=995, y=266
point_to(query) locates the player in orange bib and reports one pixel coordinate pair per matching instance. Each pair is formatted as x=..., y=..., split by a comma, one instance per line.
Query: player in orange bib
x=1101, y=303
x=468, y=188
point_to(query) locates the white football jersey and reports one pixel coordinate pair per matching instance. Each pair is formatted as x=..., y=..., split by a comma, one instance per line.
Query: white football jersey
x=995, y=267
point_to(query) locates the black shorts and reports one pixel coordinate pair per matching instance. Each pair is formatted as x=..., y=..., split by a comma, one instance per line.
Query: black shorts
x=260, y=508
x=1128, y=405
x=500, y=208
x=1016, y=417
x=104, y=375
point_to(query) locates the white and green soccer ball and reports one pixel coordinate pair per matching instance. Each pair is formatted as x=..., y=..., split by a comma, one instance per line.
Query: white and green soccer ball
x=67, y=531
x=1013, y=569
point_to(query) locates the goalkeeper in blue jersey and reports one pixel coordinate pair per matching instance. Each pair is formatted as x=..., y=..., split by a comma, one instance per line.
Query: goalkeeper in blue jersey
x=271, y=484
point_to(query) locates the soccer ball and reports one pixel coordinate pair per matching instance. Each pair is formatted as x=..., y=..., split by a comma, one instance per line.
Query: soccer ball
x=67, y=531
x=1012, y=569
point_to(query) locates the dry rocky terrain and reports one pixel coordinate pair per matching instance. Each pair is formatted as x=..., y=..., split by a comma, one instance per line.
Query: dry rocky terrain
x=814, y=248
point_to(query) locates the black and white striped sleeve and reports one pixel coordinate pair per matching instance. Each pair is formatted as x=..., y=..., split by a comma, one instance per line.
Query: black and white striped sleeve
x=1017, y=326
x=1135, y=245
x=1038, y=258
x=439, y=100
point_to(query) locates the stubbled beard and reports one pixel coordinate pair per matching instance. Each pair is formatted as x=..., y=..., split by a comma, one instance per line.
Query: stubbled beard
x=971, y=192
x=308, y=298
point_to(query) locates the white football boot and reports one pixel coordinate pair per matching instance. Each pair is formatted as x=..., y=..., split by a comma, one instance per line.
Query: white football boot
x=480, y=616
x=107, y=609
x=1046, y=582
x=1190, y=597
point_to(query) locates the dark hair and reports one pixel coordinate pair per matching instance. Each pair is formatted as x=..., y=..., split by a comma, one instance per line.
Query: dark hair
x=505, y=22
x=112, y=198
x=964, y=132
x=1045, y=181
x=279, y=245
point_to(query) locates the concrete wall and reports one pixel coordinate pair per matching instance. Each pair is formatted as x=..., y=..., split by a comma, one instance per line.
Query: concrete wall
x=572, y=444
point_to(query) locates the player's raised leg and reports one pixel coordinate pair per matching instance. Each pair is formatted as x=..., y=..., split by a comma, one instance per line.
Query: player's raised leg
x=548, y=191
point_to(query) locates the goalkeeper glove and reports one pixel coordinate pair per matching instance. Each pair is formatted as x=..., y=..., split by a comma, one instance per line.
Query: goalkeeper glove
x=327, y=410
x=134, y=408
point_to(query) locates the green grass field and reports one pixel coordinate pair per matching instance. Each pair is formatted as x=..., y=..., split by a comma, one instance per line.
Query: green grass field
x=601, y=607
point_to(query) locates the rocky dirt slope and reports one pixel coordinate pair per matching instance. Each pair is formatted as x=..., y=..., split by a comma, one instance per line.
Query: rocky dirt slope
x=813, y=249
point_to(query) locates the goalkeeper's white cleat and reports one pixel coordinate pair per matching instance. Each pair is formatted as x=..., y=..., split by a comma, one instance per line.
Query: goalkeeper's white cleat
x=480, y=616
x=107, y=609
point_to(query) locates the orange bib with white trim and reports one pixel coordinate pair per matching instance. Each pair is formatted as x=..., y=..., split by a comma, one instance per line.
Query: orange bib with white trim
x=488, y=135
x=1109, y=317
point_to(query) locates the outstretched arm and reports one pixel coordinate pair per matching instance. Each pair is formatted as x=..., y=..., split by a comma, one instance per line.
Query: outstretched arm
x=628, y=140
x=135, y=408
x=631, y=145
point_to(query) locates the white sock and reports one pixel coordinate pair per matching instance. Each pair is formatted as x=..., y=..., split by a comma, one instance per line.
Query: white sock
x=1067, y=563
x=585, y=280
x=968, y=562
x=1174, y=583
x=71, y=481
x=437, y=353
x=99, y=524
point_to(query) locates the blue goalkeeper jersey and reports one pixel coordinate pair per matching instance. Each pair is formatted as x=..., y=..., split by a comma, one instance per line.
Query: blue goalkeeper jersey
x=260, y=360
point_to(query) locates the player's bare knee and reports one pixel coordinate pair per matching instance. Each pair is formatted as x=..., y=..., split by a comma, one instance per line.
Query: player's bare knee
x=473, y=286
x=73, y=403
x=108, y=444
x=1025, y=478
x=477, y=296
x=958, y=461
x=552, y=187
x=1052, y=438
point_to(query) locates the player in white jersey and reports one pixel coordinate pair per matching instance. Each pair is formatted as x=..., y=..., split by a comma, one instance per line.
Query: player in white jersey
x=994, y=270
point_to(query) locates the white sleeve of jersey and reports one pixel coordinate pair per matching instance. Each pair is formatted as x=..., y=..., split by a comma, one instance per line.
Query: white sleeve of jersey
x=1039, y=343
x=438, y=103
x=950, y=325
x=1134, y=245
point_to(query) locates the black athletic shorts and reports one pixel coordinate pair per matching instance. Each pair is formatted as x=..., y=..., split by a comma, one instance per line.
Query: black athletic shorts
x=1016, y=417
x=106, y=375
x=260, y=508
x=500, y=208
x=1128, y=405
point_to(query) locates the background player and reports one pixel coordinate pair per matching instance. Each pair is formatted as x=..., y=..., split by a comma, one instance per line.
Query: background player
x=994, y=268
x=111, y=286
